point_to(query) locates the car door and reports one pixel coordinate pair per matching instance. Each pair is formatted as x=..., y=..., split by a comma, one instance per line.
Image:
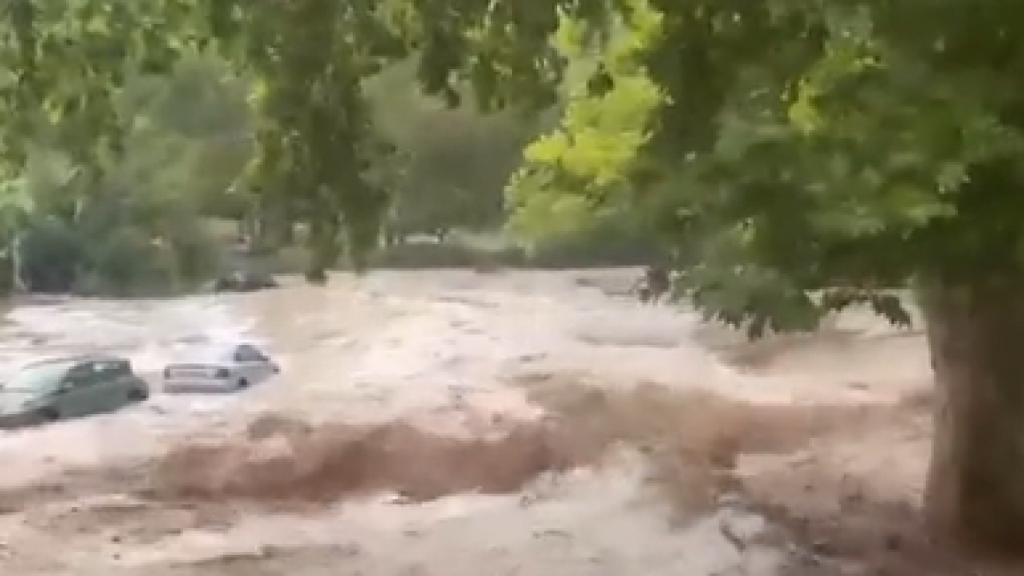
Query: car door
x=79, y=395
x=252, y=364
x=109, y=385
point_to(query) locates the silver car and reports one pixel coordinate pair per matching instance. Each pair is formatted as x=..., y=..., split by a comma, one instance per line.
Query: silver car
x=219, y=368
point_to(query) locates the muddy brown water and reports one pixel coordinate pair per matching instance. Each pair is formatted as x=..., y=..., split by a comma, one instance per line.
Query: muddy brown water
x=435, y=423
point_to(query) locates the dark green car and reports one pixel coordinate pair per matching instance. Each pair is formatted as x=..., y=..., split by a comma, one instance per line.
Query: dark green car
x=61, y=388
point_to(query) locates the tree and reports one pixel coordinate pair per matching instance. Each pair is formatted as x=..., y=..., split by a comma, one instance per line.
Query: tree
x=832, y=149
x=455, y=161
x=193, y=128
x=457, y=166
x=98, y=179
x=799, y=147
x=314, y=142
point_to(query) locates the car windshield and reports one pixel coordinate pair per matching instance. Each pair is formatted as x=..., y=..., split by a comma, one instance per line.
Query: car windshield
x=37, y=378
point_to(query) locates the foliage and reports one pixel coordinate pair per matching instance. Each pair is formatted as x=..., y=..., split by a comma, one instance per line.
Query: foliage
x=88, y=85
x=81, y=217
x=112, y=245
x=453, y=163
x=316, y=147
x=191, y=135
x=315, y=141
x=769, y=163
x=461, y=252
x=784, y=148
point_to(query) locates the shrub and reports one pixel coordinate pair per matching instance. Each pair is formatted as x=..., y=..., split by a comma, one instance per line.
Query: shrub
x=123, y=260
x=126, y=262
x=446, y=255
x=51, y=256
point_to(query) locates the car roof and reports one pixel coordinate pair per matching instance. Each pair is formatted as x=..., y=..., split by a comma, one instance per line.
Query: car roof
x=75, y=359
x=214, y=352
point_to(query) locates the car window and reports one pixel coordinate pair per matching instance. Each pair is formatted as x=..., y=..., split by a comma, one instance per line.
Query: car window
x=246, y=353
x=37, y=378
x=81, y=375
x=110, y=368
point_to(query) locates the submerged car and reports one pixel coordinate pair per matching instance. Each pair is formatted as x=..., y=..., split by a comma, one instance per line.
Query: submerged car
x=70, y=387
x=244, y=282
x=219, y=368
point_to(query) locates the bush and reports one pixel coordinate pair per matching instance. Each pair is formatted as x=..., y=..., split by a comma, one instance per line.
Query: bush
x=6, y=273
x=610, y=244
x=124, y=260
x=579, y=253
x=51, y=256
x=124, y=263
x=606, y=245
x=196, y=255
x=592, y=251
x=446, y=255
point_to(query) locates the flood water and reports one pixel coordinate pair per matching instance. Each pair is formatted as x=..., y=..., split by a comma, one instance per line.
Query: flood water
x=434, y=351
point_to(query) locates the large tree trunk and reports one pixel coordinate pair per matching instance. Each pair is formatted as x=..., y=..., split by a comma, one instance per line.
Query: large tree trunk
x=975, y=493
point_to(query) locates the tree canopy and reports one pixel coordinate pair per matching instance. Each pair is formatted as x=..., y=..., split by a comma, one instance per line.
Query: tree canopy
x=854, y=153
x=795, y=147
